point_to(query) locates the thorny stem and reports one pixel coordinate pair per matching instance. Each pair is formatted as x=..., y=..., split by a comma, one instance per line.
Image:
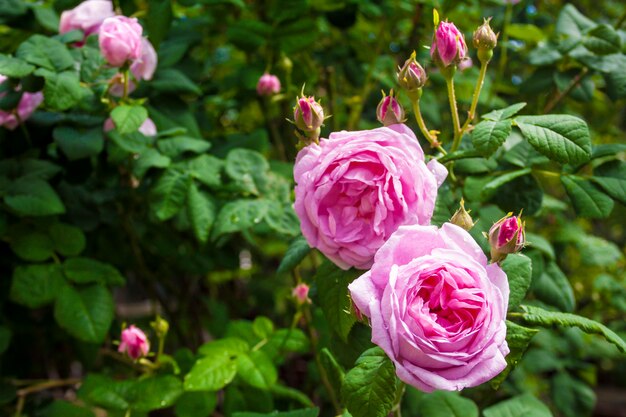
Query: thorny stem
x=41, y=386
x=420, y=122
x=453, y=110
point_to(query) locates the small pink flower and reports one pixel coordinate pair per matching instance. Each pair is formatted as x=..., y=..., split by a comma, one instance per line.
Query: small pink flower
x=268, y=85
x=448, y=46
x=87, y=16
x=390, y=111
x=506, y=236
x=134, y=343
x=25, y=108
x=120, y=40
x=301, y=293
x=308, y=114
x=147, y=128
x=144, y=67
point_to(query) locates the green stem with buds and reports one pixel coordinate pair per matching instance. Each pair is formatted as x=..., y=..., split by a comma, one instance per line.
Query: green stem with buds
x=420, y=122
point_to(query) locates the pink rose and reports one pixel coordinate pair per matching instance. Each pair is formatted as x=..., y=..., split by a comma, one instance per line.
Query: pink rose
x=356, y=188
x=268, y=85
x=147, y=128
x=448, y=45
x=87, y=16
x=144, y=67
x=436, y=307
x=25, y=108
x=120, y=40
x=134, y=343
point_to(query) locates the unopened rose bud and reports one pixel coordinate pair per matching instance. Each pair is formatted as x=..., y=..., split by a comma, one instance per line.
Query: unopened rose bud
x=411, y=76
x=485, y=40
x=448, y=47
x=160, y=326
x=389, y=111
x=506, y=236
x=462, y=218
x=134, y=343
x=268, y=85
x=308, y=116
x=120, y=40
x=301, y=294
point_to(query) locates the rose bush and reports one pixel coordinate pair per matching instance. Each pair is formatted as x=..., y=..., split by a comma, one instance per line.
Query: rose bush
x=355, y=189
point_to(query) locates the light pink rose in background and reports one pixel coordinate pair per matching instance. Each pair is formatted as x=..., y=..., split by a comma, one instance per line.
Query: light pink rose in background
x=144, y=67
x=436, y=307
x=506, y=236
x=448, y=45
x=134, y=343
x=355, y=189
x=87, y=16
x=301, y=293
x=120, y=40
x=147, y=128
x=268, y=85
x=25, y=108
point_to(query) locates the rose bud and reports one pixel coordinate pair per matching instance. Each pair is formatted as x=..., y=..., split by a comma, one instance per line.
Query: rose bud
x=301, y=294
x=411, y=76
x=144, y=67
x=506, y=236
x=268, y=85
x=462, y=218
x=25, y=107
x=308, y=116
x=448, y=47
x=389, y=110
x=485, y=40
x=120, y=40
x=134, y=343
x=87, y=16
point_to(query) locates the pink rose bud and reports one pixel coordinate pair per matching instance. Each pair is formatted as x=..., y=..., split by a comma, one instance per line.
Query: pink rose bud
x=268, y=85
x=87, y=16
x=147, y=128
x=134, y=343
x=308, y=116
x=506, y=236
x=462, y=218
x=448, y=46
x=389, y=110
x=144, y=67
x=120, y=40
x=25, y=108
x=411, y=76
x=301, y=294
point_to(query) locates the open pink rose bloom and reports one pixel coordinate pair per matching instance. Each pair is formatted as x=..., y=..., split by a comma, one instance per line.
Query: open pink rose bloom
x=436, y=307
x=355, y=189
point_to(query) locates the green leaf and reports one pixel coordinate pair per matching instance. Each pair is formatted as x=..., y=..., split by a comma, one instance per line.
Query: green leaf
x=212, y=373
x=128, y=119
x=488, y=135
x=38, y=168
x=518, y=269
x=14, y=67
x=135, y=142
x=526, y=32
x=230, y=346
x=447, y=404
x=158, y=21
x=46, y=16
x=571, y=23
x=5, y=339
x=66, y=409
x=517, y=338
x=554, y=288
x=587, y=199
x=62, y=90
x=196, y=404
x=155, y=393
x=283, y=219
x=247, y=168
x=523, y=155
x=32, y=246
x=33, y=197
x=286, y=340
x=603, y=40
x=150, y=158
x=611, y=177
x=334, y=373
x=207, y=169
x=524, y=405
x=202, y=212
x=239, y=215
x=85, y=270
x=369, y=389
x=171, y=80
x=540, y=243
x=562, y=138
x=256, y=369
x=571, y=396
x=616, y=80
x=505, y=113
x=170, y=193
x=36, y=285
x=78, y=144
x=305, y=412
x=298, y=250
x=541, y=317
x=248, y=35
x=178, y=145
x=45, y=52
x=68, y=240
x=492, y=186
x=332, y=291
x=263, y=327
x=86, y=314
